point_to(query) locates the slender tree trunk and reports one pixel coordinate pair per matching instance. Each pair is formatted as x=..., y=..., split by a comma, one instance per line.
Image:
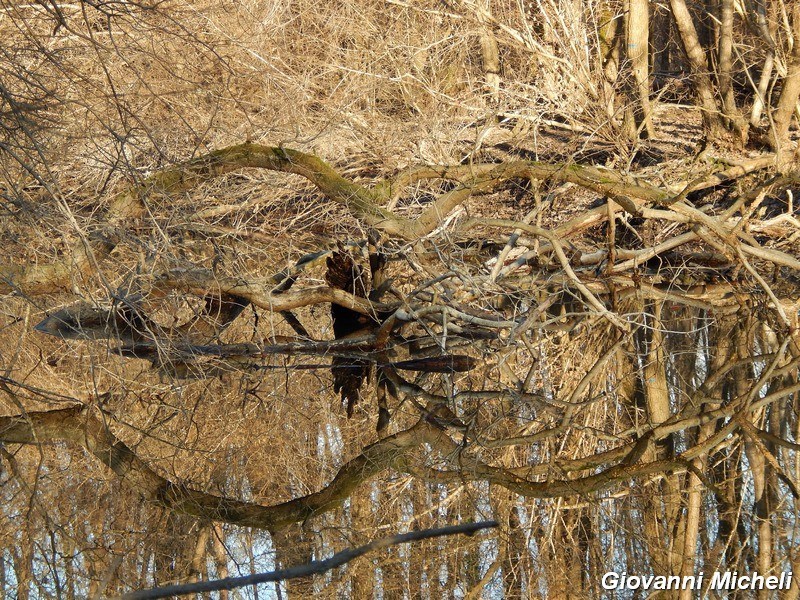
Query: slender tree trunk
x=720, y=342
x=762, y=88
x=490, y=53
x=658, y=411
x=660, y=43
x=736, y=121
x=638, y=37
x=23, y=571
x=691, y=527
x=251, y=557
x=197, y=566
x=611, y=40
x=787, y=102
x=505, y=512
x=293, y=547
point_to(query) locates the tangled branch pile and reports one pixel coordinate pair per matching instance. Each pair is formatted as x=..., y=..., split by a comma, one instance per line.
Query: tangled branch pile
x=409, y=314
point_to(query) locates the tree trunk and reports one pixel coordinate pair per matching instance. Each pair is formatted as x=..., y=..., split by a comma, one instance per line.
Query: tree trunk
x=736, y=121
x=660, y=44
x=762, y=88
x=609, y=30
x=701, y=82
x=787, y=102
x=638, y=34
x=490, y=53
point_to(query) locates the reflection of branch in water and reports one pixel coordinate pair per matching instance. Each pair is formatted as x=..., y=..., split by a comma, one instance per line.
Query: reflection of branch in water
x=449, y=363
x=126, y=320
x=212, y=360
x=312, y=568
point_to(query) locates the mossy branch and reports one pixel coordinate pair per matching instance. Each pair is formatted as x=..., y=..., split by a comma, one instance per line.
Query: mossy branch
x=364, y=204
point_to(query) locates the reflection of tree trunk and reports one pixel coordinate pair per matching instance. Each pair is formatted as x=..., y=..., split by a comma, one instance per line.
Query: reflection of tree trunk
x=179, y=552
x=631, y=391
x=761, y=471
x=163, y=556
x=593, y=568
x=720, y=346
x=198, y=569
x=69, y=568
x=454, y=555
x=251, y=556
x=508, y=555
x=581, y=548
x=469, y=557
x=761, y=455
x=220, y=557
x=553, y=560
x=645, y=391
x=691, y=527
x=423, y=575
x=414, y=584
x=731, y=537
x=572, y=545
x=513, y=565
x=22, y=569
x=294, y=547
x=362, y=571
x=656, y=394
x=96, y=558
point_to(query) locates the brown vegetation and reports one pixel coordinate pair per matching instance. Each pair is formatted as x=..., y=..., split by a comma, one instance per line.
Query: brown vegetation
x=280, y=279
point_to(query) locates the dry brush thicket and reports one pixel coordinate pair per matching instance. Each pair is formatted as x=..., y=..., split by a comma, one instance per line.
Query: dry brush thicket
x=279, y=279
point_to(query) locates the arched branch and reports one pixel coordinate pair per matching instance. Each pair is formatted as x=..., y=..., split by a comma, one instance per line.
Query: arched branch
x=79, y=425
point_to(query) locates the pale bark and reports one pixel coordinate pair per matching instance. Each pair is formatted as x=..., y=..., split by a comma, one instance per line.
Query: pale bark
x=736, y=121
x=762, y=88
x=490, y=53
x=787, y=102
x=694, y=487
x=220, y=555
x=638, y=44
